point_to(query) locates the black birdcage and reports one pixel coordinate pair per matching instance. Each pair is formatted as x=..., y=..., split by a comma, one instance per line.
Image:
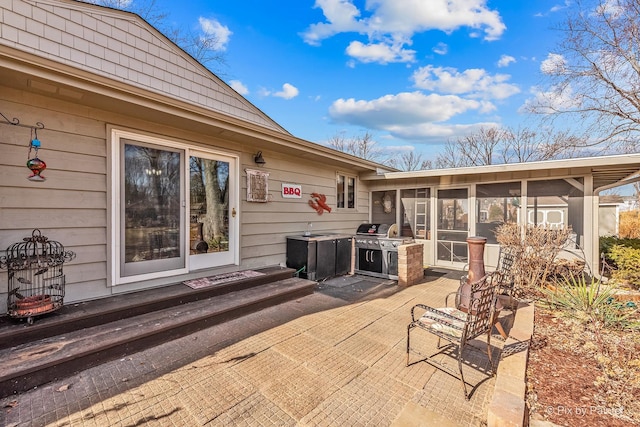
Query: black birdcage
x=36, y=279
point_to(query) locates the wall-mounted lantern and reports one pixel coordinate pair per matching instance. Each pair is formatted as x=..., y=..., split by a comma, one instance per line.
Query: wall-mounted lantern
x=258, y=159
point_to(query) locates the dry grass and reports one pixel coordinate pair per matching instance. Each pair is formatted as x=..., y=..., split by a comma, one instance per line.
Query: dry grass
x=629, y=226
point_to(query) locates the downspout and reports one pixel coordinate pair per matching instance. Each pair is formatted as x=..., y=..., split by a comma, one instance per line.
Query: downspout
x=590, y=220
x=523, y=207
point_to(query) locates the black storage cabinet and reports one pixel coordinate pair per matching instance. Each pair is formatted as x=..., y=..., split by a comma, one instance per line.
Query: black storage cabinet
x=319, y=257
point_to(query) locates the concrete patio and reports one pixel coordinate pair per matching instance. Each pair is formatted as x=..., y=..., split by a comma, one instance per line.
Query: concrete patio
x=319, y=360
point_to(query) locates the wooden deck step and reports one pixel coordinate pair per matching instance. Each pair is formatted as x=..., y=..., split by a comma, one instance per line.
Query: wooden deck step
x=75, y=316
x=37, y=362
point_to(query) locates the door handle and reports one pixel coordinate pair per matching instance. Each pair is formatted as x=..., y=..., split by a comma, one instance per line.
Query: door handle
x=233, y=212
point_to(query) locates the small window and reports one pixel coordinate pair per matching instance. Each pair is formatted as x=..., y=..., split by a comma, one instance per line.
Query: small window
x=346, y=191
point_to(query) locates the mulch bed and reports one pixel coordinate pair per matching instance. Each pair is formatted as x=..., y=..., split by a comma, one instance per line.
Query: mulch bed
x=562, y=382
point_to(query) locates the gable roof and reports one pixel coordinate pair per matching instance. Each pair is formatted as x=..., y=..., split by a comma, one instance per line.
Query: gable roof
x=123, y=47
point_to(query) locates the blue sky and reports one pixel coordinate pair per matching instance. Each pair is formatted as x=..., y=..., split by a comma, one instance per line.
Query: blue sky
x=413, y=73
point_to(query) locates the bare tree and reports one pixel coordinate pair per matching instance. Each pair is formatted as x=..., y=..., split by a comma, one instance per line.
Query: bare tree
x=362, y=146
x=527, y=145
x=411, y=161
x=504, y=145
x=339, y=142
x=204, y=47
x=366, y=148
x=475, y=149
x=449, y=158
x=595, y=76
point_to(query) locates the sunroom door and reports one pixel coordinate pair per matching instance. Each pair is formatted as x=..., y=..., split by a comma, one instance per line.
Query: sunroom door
x=452, y=227
x=212, y=201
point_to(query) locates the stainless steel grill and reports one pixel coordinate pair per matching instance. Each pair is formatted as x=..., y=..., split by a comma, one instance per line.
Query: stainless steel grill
x=376, y=247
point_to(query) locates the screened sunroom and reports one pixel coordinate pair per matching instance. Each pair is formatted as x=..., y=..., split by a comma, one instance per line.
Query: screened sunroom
x=442, y=208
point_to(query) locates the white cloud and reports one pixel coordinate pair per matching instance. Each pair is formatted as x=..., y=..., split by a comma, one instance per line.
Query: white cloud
x=559, y=7
x=239, y=87
x=405, y=107
x=405, y=115
x=474, y=82
x=505, y=61
x=394, y=22
x=341, y=17
x=556, y=99
x=380, y=52
x=611, y=8
x=220, y=33
x=288, y=91
x=264, y=92
x=438, y=131
x=116, y=4
x=441, y=49
x=554, y=64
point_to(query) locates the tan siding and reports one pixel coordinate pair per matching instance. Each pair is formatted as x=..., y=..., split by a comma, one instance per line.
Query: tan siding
x=72, y=205
x=70, y=238
x=119, y=46
x=86, y=254
x=80, y=273
x=85, y=290
x=16, y=176
x=12, y=197
x=57, y=160
x=259, y=251
x=43, y=217
x=266, y=225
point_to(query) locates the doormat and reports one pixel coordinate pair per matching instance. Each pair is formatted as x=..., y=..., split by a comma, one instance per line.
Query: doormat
x=221, y=278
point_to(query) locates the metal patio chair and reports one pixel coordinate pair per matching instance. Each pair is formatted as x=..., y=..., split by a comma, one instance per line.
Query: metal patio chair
x=458, y=326
x=507, y=260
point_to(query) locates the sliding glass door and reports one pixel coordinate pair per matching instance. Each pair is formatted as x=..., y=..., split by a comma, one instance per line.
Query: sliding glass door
x=151, y=212
x=211, y=216
x=174, y=208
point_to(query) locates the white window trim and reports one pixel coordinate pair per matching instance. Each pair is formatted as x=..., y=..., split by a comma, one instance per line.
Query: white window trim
x=113, y=194
x=355, y=191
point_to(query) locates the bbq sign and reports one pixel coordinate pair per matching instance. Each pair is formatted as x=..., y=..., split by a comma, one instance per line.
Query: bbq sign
x=291, y=191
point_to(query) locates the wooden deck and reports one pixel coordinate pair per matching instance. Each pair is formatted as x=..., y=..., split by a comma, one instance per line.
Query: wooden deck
x=81, y=335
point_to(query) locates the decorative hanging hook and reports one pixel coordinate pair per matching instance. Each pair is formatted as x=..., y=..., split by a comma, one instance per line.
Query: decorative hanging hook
x=16, y=122
x=34, y=164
